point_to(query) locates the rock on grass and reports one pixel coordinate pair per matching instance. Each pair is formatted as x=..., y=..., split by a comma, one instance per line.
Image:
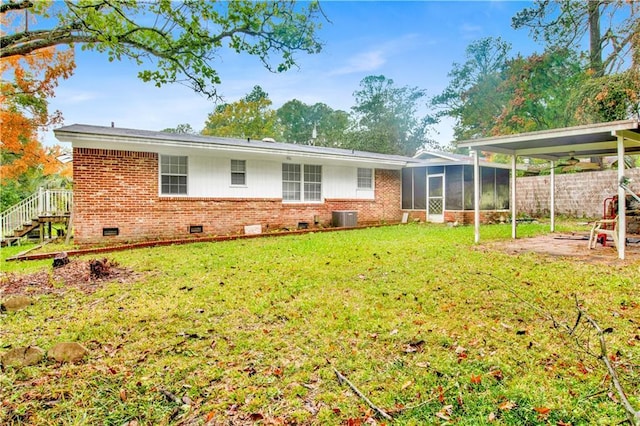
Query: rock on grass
x=67, y=352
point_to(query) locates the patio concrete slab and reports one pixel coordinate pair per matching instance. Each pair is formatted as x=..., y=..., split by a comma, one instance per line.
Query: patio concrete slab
x=573, y=245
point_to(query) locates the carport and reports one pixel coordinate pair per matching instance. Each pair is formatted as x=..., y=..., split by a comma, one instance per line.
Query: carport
x=592, y=140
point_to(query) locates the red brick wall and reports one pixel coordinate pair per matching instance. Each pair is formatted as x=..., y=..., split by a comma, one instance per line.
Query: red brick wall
x=120, y=189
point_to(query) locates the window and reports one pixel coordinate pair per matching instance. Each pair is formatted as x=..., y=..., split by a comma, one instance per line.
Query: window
x=365, y=178
x=312, y=183
x=414, y=188
x=173, y=174
x=294, y=181
x=291, y=182
x=238, y=172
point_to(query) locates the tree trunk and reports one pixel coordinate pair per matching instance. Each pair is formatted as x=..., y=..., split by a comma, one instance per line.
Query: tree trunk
x=595, y=39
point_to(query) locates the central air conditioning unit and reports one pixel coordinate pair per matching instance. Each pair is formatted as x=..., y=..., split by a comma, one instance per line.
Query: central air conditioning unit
x=344, y=218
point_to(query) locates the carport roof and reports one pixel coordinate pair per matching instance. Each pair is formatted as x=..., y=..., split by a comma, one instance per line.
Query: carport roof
x=591, y=140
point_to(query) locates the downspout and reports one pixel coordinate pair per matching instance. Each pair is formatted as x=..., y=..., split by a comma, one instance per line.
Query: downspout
x=514, y=210
x=552, y=189
x=622, y=204
x=476, y=195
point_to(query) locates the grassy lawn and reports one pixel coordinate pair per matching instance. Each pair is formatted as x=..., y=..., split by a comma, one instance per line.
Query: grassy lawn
x=427, y=326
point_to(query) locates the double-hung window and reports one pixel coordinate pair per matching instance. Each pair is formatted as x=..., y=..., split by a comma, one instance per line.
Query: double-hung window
x=365, y=178
x=238, y=172
x=312, y=183
x=291, y=182
x=173, y=175
x=301, y=182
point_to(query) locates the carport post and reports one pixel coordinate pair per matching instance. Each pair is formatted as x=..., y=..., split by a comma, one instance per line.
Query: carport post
x=476, y=195
x=514, y=209
x=622, y=201
x=552, y=207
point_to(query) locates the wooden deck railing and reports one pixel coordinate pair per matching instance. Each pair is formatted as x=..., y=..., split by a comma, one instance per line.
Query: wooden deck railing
x=45, y=202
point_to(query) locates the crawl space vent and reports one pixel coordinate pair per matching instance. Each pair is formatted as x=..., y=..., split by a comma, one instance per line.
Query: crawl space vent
x=110, y=232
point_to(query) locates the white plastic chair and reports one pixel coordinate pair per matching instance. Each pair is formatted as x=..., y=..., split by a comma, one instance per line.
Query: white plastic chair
x=603, y=228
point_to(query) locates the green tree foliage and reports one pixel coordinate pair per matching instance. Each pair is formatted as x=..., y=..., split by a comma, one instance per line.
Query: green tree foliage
x=613, y=30
x=174, y=41
x=537, y=91
x=607, y=98
x=299, y=119
x=385, y=118
x=250, y=117
x=472, y=97
x=611, y=26
x=184, y=128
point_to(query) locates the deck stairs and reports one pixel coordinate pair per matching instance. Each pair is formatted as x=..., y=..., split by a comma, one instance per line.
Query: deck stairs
x=45, y=207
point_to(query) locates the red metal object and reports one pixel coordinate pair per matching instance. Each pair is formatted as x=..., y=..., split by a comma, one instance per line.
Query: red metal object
x=609, y=211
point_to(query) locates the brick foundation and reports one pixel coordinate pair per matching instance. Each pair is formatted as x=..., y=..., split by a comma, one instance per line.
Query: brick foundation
x=119, y=189
x=465, y=217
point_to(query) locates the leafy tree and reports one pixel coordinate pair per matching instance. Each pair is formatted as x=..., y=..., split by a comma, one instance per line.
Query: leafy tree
x=250, y=117
x=613, y=30
x=178, y=41
x=607, y=98
x=385, y=118
x=26, y=84
x=611, y=26
x=28, y=81
x=298, y=120
x=472, y=97
x=537, y=90
x=184, y=128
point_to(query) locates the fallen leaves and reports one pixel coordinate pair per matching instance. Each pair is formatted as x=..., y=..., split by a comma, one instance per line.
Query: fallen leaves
x=445, y=412
x=77, y=274
x=507, y=405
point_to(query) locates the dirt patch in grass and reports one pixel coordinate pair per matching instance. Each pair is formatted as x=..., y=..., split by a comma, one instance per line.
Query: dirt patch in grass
x=83, y=275
x=573, y=245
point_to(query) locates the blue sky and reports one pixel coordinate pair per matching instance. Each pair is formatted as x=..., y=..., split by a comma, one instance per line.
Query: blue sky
x=413, y=43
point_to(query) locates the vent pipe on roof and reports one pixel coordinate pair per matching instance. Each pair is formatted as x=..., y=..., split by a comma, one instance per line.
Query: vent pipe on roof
x=113, y=124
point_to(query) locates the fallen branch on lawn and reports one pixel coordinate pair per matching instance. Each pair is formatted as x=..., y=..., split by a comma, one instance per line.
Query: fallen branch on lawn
x=342, y=379
x=632, y=414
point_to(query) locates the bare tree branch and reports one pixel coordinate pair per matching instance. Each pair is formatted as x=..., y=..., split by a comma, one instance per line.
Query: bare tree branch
x=633, y=415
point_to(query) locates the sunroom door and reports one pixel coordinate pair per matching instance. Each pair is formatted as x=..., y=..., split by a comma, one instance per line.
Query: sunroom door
x=435, y=198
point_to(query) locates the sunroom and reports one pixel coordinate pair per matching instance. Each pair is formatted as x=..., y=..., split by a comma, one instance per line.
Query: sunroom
x=439, y=188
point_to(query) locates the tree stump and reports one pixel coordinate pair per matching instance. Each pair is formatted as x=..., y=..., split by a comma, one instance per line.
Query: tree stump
x=60, y=260
x=99, y=268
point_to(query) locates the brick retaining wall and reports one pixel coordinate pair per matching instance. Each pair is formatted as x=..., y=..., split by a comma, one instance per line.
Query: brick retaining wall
x=577, y=194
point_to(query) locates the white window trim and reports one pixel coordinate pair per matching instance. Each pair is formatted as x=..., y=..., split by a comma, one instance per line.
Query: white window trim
x=160, y=174
x=231, y=172
x=302, y=199
x=373, y=179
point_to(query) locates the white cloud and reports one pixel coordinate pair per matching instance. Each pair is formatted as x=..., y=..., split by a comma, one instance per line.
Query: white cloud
x=362, y=62
x=67, y=96
x=468, y=31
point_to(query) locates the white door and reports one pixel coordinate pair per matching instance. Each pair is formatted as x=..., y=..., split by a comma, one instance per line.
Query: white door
x=435, y=198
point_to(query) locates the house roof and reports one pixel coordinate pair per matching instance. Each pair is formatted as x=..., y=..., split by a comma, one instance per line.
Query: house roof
x=590, y=140
x=122, y=138
x=438, y=158
x=108, y=137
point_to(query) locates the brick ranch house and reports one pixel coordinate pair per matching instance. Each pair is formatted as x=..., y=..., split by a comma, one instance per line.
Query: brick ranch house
x=136, y=185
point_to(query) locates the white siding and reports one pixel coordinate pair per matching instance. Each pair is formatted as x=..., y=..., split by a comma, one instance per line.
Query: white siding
x=342, y=182
x=211, y=177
